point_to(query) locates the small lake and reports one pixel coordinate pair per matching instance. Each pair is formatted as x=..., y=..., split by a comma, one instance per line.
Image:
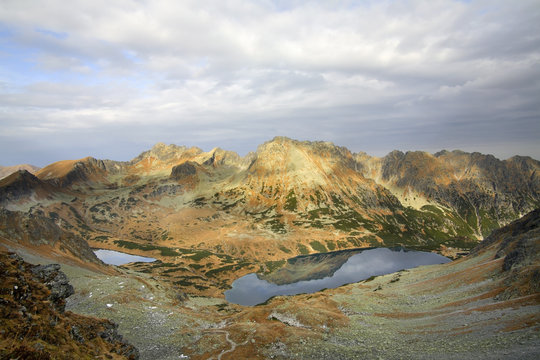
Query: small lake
x=112, y=257
x=250, y=290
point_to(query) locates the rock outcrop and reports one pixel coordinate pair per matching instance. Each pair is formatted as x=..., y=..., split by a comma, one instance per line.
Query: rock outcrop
x=34, y=324
x=519, y=244
x=56, y=281
x=184, y=170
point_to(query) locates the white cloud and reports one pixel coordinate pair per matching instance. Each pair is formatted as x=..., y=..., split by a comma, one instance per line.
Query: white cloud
x=330, y=70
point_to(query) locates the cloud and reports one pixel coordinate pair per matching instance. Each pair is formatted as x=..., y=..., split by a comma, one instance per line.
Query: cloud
x=370, y=75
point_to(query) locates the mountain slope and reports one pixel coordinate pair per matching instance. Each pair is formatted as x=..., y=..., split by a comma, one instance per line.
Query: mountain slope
x=217, y=210
x=483, y=190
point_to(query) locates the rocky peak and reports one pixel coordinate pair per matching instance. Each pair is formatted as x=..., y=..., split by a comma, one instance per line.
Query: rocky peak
x=219, y=157
x=19, y=176
x=525, y=163
x=7, y=170
x=281, y=148
x=19, y=184
x=67, y=172
x=286, y=157
x=166, y=153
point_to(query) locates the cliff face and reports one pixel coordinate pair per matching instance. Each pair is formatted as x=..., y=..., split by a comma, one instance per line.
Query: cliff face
x=483, y=190
x=518, y=244
x=289, y=197
x=35, y=326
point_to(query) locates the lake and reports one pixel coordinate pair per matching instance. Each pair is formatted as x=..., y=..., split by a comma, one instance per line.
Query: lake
x=251, y=290
x=112, y=257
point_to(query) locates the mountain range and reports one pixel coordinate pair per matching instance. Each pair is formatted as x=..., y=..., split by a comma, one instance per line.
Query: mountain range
x=287, y=198
x=209, y=218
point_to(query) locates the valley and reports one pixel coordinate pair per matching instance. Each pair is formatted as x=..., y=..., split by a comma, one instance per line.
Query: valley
x=469, y=308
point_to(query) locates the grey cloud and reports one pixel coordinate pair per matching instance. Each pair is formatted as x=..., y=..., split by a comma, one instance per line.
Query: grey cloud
x=373, y=76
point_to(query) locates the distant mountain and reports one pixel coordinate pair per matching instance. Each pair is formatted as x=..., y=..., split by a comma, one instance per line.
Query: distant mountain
x=7, y=170
x=287, y=198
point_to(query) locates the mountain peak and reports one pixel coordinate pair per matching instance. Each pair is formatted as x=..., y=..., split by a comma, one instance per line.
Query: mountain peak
x=18, y=176
x=7, y=170
x=164, y=152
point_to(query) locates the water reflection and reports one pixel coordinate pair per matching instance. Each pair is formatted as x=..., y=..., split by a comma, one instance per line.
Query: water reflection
x=119, y=258
x=250, y=290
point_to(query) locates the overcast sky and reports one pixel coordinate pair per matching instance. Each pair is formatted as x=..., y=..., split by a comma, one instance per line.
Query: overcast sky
x=110, y=78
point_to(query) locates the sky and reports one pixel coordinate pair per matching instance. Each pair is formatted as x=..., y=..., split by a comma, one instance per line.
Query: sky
x=109, y=79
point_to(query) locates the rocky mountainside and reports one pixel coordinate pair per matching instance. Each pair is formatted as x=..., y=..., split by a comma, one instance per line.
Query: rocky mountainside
x=34, y=230
x=8, y=170
x=518, y=244
x=202, y=211
x=35, y=325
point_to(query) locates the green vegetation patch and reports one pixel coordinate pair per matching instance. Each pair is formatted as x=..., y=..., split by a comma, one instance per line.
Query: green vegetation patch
x=200, y=254
x=338, y=201
x=196, y=266
x=371, y=240
x=165, y=251
x=273, y=265
x=170, y=270
x=290, y=202
x=342, y=244
x=354, y=241
x=101, y=238
x=317, y=246
x=159, y=263
x=461, y=243
x=303, y=249
x=284, y=249
x=317, y=224
x=276, y=226
x=331, y=245
x=213, y=272
x=316, y=213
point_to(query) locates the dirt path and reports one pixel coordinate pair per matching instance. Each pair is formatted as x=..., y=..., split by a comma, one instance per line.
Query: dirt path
x=233, y=344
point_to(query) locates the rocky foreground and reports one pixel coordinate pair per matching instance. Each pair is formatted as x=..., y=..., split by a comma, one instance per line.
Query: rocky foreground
x=35, y=325
x=483, y=306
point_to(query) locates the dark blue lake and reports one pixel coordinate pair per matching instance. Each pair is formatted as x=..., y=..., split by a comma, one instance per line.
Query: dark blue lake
x=251, y=290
